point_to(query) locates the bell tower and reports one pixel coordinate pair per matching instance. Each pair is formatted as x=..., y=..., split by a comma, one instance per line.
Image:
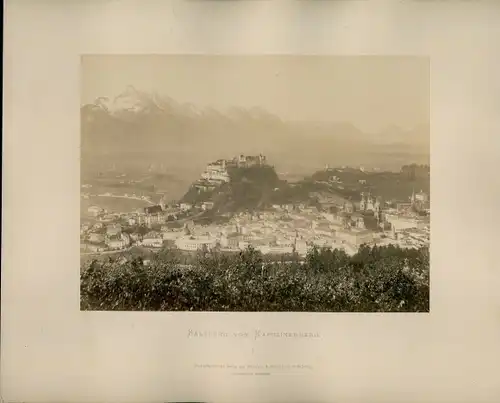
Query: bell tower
x=369, y=204
x=376, y=206
x=362, y=204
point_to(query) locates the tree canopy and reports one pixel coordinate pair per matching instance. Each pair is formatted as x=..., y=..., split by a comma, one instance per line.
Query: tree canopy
x=376, y=279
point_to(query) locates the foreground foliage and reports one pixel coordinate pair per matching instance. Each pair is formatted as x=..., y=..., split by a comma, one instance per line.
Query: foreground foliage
x=377, y=279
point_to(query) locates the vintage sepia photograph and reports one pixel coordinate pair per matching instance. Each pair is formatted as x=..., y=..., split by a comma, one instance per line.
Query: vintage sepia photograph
x=266, y=183
x=252, y=186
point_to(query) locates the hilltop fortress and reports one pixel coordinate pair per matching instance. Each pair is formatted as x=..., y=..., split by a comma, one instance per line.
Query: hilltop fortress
x=216, y=173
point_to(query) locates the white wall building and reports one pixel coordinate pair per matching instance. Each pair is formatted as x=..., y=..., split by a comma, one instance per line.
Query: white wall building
x=242, y=245
x=153, y=239
x=422, y=197
x=301, y=247
x=279, y=250
x=213, y=176
x=355, y=236
x=94, y=248
x=216, y=172
x=192, y=243
x=186, y=206
x=96, y=238
x=114, y=230
x=153, y=242
x=95, y=211
x=207, y=206
x=115, y=244
x=402, y=222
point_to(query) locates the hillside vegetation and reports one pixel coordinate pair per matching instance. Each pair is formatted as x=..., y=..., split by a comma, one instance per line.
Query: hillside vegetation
x=249, y=189
x=377, y=279
x=258, y=187
x=388, y=185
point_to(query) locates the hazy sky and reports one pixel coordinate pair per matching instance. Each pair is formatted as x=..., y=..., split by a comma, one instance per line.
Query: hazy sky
x=371, y=92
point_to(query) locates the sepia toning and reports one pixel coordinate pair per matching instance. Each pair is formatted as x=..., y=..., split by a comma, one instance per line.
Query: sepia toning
x=259, y=183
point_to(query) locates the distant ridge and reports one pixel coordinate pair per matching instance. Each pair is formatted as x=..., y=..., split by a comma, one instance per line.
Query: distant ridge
x=157, y=126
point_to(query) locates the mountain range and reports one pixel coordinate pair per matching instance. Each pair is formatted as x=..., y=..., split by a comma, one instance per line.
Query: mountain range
x=137, y=127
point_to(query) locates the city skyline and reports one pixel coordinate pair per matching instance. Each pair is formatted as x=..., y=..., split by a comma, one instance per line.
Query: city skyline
x=192, y=186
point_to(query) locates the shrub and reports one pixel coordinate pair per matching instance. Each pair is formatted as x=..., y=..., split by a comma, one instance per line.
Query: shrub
x=376, y=279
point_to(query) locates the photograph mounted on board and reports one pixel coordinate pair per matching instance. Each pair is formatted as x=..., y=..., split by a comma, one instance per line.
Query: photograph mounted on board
x=255, y=183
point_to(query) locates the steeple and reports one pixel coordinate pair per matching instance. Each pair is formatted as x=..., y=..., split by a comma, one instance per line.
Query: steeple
x=377, y=205
x=362, y=204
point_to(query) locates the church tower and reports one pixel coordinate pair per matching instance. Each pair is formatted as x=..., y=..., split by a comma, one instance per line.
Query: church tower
x=369, y=204
x=362, y=204
x=379, y=216
x=376, y=206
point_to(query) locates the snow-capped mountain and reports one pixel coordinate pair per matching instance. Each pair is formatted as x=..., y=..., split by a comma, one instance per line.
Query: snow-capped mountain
x=131, y=100
x=141, y=102
x=138, y=121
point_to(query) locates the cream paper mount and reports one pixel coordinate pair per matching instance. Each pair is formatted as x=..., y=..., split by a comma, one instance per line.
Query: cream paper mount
x=54, y=351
